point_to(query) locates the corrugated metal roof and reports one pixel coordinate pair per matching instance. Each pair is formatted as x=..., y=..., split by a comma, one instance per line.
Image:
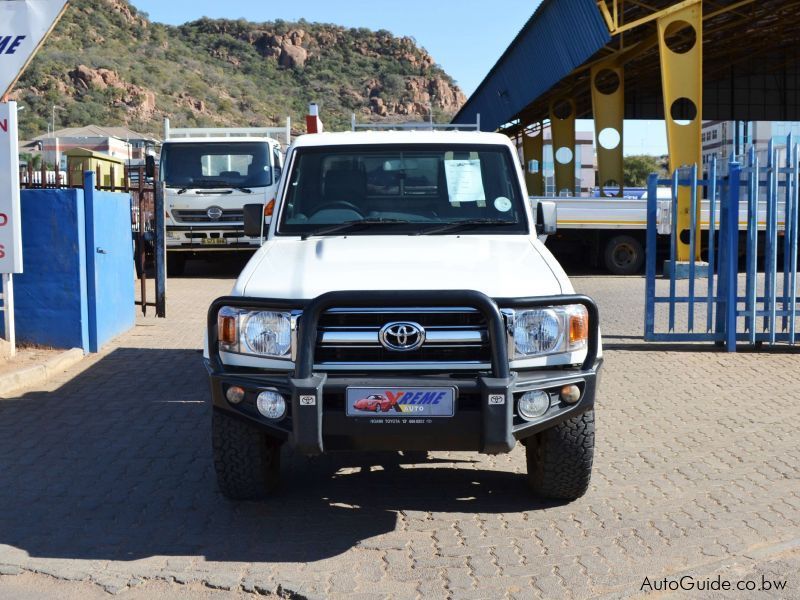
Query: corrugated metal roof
x=560, y=36
x=122, y=133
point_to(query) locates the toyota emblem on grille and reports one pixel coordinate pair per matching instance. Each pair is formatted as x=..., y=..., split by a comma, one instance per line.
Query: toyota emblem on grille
x=402, y=337
x=214, y=213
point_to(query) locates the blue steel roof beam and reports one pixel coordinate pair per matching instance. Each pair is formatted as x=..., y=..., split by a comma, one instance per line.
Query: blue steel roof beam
x=559, y=37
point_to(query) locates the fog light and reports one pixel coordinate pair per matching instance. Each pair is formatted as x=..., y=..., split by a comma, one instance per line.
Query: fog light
x=271, y=405
x=234, y=394
x=570, y=394
x=533, y=405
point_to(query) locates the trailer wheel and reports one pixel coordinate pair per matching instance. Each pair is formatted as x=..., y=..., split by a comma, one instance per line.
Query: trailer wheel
x=624, y=255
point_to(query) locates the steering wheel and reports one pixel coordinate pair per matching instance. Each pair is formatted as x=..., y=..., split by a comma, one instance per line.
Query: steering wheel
x=338, y=204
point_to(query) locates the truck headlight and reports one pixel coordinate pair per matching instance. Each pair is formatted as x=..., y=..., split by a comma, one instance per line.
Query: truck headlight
x=552, y=330
x=262, y=333
x=267, y=333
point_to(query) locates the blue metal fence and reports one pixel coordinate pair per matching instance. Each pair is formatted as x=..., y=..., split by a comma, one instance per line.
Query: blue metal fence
x=753, y=206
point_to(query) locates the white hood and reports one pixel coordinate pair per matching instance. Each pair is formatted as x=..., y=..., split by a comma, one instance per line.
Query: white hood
x=500, y=266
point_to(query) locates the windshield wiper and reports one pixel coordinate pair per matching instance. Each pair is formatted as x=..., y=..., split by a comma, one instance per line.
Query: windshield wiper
x=351, y=225
x=243, y=189
x=466, y=224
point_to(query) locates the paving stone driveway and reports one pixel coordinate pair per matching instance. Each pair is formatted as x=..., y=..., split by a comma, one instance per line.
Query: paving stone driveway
x=107, y=477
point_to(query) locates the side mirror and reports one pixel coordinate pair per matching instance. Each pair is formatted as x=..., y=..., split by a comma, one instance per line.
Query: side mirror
x=276, y=174
x=253, y=219
x=150, y=166
x=546, y=217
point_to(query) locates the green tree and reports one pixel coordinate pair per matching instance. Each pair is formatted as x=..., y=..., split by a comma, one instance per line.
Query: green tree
x=638, y=168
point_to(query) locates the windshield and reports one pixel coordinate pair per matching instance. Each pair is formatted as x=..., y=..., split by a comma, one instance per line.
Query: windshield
x=216, y=165
x=410, y=189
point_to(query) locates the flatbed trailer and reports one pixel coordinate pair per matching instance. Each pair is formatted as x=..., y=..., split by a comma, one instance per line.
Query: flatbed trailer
x=611, y=232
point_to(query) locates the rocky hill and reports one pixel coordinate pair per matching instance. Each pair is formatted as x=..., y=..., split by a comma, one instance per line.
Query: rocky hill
x=106, y=63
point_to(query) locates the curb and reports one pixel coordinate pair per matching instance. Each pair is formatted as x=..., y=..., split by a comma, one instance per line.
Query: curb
x=38, y=374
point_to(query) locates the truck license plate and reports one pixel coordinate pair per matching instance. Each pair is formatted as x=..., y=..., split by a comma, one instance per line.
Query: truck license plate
x=214, y=241
x=400, y=402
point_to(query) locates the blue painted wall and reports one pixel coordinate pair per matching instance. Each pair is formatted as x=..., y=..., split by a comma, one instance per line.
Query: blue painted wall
x=109, y=265
x=50, y=295
x=77, y=289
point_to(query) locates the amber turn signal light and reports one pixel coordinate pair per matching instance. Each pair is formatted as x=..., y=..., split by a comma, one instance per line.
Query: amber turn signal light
x=226, y=329
x=578, y=327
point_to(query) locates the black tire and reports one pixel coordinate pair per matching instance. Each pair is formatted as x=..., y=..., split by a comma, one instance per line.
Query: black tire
x=176, y=264
x=560, y=459
x=623, y=255
x=247, y=461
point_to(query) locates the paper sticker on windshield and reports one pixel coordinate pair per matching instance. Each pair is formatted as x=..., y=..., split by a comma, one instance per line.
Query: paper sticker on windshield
x=464, y=181
x=502, y=204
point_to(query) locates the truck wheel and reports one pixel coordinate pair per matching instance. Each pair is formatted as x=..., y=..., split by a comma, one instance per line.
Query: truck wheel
x=624, y=255
x=560, y=459
x=246, y=460
x=176, y=264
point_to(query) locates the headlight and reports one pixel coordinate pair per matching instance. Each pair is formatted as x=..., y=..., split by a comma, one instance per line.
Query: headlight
x=263, y=333
x=267, y=333
x=550, y=330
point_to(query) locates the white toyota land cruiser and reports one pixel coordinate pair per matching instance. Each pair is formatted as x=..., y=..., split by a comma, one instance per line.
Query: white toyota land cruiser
x=402, y=301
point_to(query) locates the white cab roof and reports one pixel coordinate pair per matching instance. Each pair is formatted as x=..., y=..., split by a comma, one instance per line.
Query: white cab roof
x=221, y=140
x=352, y=138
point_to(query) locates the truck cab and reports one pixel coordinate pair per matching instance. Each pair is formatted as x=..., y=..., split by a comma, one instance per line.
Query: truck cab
x=407, y=267
x=208, y=176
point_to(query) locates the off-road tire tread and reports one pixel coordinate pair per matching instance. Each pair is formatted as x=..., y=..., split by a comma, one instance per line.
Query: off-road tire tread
x=560, y=459
x=246, y=460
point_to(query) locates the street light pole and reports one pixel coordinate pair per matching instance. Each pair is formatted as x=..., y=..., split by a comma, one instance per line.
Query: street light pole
x=56, y=153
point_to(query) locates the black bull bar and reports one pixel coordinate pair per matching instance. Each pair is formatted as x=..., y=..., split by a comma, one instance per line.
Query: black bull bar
x=497, y=419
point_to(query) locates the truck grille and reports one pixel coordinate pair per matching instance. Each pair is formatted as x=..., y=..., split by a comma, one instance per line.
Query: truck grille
x=348, y=339
x=201, y=216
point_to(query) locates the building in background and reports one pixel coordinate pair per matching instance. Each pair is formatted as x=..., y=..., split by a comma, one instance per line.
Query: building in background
x=117, y=142
x=585, y=164
x=733, y=138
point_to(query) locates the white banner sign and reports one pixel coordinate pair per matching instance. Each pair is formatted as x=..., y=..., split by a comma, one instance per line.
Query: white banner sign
x=23, y=26
x=10, y=234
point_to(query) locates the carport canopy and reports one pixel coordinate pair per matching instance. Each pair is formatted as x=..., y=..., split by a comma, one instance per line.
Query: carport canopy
x=751, y=62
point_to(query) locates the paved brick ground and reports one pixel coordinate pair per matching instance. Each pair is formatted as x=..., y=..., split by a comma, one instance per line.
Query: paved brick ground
x=107, y=478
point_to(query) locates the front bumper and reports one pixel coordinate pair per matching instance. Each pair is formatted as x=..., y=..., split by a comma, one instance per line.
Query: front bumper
x=477, y=424
x=191, y=238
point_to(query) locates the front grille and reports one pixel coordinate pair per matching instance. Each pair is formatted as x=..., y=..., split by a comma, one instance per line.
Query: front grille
x=349, y=338
x=201, y=216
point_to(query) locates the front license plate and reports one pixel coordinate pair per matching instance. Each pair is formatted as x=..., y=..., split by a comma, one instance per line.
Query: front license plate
x=214, y=241
x=401, y=402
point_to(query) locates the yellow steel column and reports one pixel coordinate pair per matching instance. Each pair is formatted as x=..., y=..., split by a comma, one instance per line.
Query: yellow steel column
x=562, y=126
x=608, y=105
x=533, y=155
x=680, y=40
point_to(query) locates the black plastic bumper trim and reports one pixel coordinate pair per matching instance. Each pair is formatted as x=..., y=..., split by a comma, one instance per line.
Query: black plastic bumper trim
x=497, y=432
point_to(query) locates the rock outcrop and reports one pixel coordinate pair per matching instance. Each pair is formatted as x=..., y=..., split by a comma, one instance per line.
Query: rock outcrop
x=106, y=63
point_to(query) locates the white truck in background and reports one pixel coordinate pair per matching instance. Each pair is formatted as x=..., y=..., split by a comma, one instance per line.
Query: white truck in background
x=612, y=232
x=208, y=175
x=606, y=232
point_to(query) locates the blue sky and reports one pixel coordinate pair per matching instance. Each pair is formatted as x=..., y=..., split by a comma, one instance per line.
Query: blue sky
x=459, y=34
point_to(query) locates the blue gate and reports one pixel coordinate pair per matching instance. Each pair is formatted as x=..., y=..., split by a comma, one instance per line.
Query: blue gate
x=748, y=215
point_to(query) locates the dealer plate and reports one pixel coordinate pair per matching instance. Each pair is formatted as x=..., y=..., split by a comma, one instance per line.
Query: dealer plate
x=401, y=401
x=214, y=241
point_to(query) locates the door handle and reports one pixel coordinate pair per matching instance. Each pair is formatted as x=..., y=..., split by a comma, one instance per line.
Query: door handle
x=101, y=251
